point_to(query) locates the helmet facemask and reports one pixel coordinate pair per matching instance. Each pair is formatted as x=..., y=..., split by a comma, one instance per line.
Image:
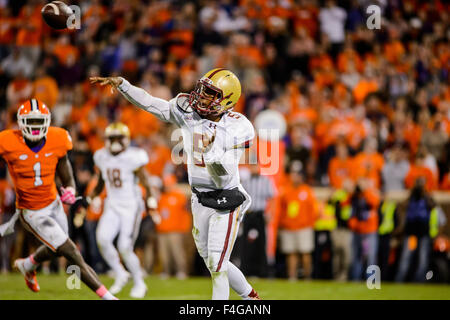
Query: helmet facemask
x=34, y=127
x=117, y=143
x=206, y=98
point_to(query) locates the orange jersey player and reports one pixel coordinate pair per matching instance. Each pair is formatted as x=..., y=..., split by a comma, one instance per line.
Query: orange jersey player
x=35, y=154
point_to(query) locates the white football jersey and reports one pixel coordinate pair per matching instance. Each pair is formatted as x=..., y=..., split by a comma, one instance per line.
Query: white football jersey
x=234, y=133
x=118, y=172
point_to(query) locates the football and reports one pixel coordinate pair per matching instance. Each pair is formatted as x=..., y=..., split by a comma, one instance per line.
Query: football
x=55, y=14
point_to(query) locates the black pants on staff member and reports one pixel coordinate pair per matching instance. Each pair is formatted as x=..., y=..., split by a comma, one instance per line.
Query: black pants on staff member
x=383, y=256
x=323, y=255
x=254, y=257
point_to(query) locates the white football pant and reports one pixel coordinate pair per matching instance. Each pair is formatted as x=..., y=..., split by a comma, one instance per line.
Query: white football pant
x=123, y=219
x=214, y=235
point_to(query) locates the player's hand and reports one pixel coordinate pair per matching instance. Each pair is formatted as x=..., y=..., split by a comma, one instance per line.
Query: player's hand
x=68, y=195
x=78, y=220
x=114, y=82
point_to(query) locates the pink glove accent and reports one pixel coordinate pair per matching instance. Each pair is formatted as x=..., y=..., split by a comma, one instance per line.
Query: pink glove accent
x=68, y=195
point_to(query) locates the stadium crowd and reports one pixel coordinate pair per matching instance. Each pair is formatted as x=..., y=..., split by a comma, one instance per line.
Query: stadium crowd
x=367, y=110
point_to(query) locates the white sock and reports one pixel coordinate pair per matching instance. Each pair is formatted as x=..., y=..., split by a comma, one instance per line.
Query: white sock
x=238, y=282
x=103, y=293
x=221, y=286
x=30, y=264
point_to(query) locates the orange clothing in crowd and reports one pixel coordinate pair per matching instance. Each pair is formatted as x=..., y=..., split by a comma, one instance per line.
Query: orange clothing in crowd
x=339, y=170
x=393, y=51
x=416, y=172
x=412, y=134
x=140, y=122
x=297, y=207
x=346, y=57
x=306, y=17
x=159, y=156
x=183, y=41
x=30, y=32
x=371, y=224
x=65, y=52
x=445, y=184
x=172, y=209
x=46, y=90
x=363, y=88
x=368, y=166
x=33, y=173
x=7, y=30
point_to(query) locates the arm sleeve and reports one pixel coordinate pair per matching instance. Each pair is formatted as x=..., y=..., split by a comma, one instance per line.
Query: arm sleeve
x=141, y=159
x=143, y=100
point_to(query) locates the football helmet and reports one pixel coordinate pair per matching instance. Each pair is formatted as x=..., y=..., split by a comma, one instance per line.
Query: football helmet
x=33, y=118
x=216, y=92
x=117, y=137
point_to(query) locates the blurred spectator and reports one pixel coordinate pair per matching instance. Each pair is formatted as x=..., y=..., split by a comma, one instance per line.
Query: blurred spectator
x=340, y=167
x=300, y=147
x=364, y=224
x=332, y=22
x=323, y=226
x=341, y=237
x=422, y=222
x=17, y=64
x=388, y=219
x=296, y=222
x=368, y=164
x=395, y=169
x=172, y=226
x=45, y=88
x=18, y=90
x=253, y=255
x=420, y=170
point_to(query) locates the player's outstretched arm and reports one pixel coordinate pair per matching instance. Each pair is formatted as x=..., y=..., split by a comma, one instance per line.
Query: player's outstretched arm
x=137, y=96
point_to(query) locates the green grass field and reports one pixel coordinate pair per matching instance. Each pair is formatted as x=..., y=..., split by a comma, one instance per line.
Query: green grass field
x=12, y=286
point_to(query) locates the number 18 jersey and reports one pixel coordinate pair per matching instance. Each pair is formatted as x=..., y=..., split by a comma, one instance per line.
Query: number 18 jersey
x=33, y=173
x=118, y=172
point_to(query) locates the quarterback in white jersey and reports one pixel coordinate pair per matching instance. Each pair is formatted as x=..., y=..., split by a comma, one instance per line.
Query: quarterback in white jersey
x=214, y=139
x=120, y=168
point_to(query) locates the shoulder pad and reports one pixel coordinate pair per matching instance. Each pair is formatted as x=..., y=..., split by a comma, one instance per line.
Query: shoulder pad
x=182, y=102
